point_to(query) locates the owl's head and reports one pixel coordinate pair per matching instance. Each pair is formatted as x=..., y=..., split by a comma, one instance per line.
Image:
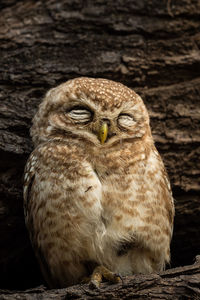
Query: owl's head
x=99, y=111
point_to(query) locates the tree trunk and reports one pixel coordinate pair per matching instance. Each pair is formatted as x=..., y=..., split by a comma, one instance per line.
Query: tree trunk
x=150, y=46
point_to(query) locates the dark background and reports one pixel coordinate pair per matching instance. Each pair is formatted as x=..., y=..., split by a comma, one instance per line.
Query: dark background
x=150, y=46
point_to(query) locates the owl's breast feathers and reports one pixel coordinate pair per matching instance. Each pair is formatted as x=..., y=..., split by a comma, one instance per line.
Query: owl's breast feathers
x=111, y=204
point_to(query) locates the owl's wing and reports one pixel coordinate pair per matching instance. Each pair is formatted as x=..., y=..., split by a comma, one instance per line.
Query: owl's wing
x=29, y=176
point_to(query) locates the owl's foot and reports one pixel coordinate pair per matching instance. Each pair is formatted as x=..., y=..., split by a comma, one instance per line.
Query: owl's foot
x=101, y=272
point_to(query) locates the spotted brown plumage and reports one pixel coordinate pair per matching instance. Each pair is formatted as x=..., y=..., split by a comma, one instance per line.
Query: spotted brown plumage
x=92, y=200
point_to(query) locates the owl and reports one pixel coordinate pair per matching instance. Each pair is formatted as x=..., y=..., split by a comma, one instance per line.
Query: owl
x=97, y=198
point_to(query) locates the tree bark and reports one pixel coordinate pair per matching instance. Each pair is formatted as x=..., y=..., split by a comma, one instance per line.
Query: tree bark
x=178, y=283
x=151, y=46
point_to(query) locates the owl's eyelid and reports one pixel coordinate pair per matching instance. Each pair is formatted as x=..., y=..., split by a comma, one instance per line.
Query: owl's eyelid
x=126, y=114
x=79, y=108
x=80, y=114
x=125, y=121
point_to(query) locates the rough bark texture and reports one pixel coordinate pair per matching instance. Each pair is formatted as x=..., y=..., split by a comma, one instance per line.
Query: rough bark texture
x=178, y=283
x=151, y=46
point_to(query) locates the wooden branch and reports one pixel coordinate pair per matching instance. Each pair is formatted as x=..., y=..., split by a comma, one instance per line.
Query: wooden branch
x=178, y=283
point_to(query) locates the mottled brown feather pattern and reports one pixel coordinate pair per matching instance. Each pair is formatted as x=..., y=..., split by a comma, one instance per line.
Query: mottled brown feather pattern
x=109, y=204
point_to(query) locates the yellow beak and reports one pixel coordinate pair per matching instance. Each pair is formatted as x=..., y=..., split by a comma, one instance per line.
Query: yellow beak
x=103, y=132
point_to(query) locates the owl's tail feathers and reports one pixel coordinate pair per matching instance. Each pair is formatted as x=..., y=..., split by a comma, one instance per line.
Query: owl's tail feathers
x=100, y=273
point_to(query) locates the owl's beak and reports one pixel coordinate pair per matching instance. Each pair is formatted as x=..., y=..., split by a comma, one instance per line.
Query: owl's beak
x=103, y=132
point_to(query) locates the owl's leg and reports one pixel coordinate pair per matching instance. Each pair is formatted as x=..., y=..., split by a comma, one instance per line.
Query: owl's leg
x=101, y=272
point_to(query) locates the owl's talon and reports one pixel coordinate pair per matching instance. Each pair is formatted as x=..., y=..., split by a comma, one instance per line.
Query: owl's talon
x=118, y=277
x=94, y=285
x=101, y=272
